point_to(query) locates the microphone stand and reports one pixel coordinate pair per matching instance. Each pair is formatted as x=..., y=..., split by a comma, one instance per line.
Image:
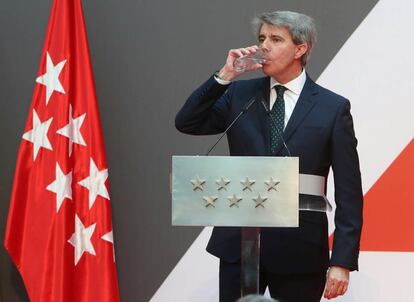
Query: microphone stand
x=244, y=110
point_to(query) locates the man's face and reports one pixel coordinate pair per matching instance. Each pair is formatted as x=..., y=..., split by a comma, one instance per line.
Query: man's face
x=282, y=54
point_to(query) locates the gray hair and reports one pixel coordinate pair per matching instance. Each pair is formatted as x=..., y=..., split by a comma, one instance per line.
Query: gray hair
x=301, y=27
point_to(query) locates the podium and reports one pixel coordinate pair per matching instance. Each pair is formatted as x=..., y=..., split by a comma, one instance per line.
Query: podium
x=246, y=192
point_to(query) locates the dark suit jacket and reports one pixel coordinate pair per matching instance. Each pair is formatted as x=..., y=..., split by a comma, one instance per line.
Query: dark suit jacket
x=320, y=132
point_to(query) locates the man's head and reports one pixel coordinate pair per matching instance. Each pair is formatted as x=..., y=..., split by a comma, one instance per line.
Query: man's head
x=287, y=38
x=301, y=27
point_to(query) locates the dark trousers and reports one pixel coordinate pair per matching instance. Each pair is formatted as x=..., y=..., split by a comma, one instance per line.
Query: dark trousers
x=282, y=287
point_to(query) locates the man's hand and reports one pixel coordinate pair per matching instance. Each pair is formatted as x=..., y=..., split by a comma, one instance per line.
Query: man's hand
x=337, y=281
x=227, y=72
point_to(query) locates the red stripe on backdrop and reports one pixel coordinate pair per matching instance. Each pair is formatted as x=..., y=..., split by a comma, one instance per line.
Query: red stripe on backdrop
x=389, y=207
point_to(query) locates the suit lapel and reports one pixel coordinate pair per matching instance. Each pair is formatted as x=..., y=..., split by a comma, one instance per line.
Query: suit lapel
x=304, y=104
x=264, y=93
x=262, y=102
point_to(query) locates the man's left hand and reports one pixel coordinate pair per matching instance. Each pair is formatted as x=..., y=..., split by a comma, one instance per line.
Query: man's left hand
x=337, y=281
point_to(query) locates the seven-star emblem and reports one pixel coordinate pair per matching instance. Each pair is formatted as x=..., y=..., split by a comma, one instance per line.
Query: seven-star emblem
x=222, y=183
x=259, y=201
x=62, y=186
x=247, y=184
x=72, y=130
x=95, y=183
x=198, y=184
x=234, y=200
x=81, y=239
x=210, y=200
x=38, y=134
x=272, y=184
x=51, y=78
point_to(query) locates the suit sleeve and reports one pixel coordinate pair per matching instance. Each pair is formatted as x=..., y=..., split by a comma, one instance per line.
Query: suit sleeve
x=348, y=191
x=206, y=110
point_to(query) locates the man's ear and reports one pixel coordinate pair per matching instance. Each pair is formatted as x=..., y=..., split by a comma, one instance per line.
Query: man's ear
x=301, y=49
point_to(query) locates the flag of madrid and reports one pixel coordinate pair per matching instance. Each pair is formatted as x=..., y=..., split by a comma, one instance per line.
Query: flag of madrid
x=59, y=228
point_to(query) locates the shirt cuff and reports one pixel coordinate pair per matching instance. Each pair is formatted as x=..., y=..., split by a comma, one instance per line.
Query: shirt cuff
x=221, y=81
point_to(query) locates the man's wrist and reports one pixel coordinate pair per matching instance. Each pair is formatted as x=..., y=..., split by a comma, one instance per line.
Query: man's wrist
x=220, y=79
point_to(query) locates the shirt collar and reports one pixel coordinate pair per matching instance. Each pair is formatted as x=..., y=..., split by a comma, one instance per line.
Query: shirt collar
x=296, y=85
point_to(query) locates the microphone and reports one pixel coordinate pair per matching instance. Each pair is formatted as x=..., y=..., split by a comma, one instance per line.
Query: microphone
x=277, y=130
x=244, y=110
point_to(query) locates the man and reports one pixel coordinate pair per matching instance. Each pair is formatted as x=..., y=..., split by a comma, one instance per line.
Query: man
x=317, y=126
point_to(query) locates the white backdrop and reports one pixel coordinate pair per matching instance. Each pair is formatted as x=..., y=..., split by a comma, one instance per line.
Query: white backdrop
x=375, y=70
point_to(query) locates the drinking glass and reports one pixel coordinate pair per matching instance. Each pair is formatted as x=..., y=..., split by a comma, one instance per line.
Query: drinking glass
x=247, y=61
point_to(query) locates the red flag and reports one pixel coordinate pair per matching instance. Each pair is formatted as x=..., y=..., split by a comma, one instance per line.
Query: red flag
x=59, y=228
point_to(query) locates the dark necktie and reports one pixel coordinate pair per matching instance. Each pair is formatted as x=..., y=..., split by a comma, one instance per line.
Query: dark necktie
x=277, y=121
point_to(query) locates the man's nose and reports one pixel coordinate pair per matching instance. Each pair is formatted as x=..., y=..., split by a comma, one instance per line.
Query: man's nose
x=264, y=48
x=264, y=45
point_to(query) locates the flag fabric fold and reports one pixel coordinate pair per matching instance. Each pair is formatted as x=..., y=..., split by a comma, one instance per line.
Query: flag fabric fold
x=59, y=229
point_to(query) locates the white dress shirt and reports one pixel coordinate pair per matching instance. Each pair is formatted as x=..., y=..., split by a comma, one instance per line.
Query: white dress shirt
x=291, y=95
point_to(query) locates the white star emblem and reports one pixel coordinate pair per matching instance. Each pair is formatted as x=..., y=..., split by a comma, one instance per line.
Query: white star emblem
x=51, y=78
x=72, y=130
x=210, y=200
x=234, y=200
x=259, y=201
x=38, y=134
x=81, y=239
x=110, y=238
x=272, y=184
x=222, y=183
x=247, y=184
x=62, y=186
x=198, y=184
x=95, y=183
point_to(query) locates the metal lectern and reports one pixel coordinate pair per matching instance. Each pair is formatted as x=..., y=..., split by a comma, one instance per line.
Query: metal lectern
x=248, y=192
